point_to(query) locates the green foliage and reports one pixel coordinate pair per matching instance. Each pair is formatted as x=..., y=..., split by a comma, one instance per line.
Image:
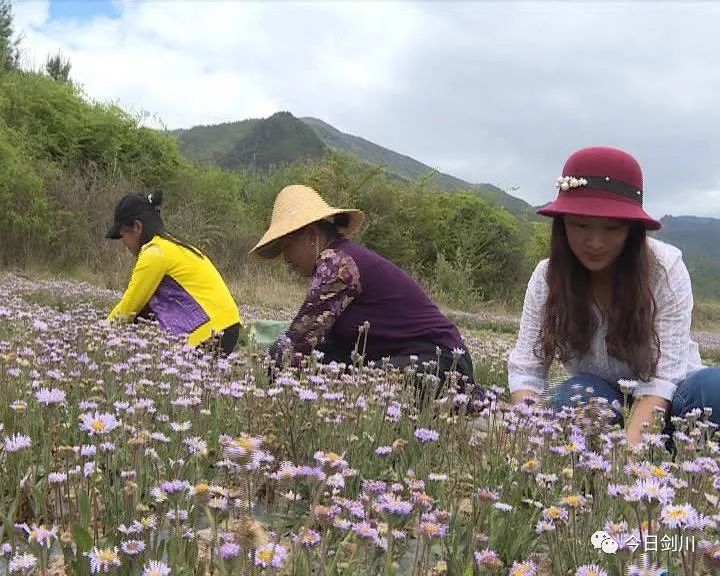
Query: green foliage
x=61, y=127
x=453, y=279
x=65, y=161
x=699, y=239
x=258, y=144
x=483, y=236
x=208, y=144
x=279, y=140
x=282, y=139
x=23, y=205
x=58, y=68
x=9, y=51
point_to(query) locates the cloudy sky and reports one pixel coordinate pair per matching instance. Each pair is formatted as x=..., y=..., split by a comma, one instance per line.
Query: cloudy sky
x=498, y=92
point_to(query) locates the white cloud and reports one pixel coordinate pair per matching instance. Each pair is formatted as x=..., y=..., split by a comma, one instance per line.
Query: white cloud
x=489, y=92
x=31, y=14
x=194, y=63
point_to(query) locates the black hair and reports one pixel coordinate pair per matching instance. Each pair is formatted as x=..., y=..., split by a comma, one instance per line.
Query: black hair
x=153, y=224
x=331, y=227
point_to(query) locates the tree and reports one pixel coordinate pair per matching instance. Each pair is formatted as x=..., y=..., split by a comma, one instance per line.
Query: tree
x=9, y=52
x=58, y=68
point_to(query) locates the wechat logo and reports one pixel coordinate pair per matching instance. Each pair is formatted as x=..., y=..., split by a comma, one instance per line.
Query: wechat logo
x=601, y=540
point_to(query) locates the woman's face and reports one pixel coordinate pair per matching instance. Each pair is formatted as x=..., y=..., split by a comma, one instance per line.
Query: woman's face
x=130, y=236
x=596, y=242
x=299, y=250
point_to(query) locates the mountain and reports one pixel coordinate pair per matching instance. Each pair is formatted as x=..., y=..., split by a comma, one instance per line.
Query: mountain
x=254, y=143
x=692, y=234
x=409, y=168
x=283, y=138
x=699, y=239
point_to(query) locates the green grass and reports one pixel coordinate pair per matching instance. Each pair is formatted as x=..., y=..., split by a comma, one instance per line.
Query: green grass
x=711, y=357
x=706, y=315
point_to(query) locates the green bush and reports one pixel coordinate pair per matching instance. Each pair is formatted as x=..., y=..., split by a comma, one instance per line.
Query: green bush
x=66, y=161
x=24, y=219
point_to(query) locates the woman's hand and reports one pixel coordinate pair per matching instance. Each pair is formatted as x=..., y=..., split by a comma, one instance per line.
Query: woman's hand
x=520, y=395
x=643, y=412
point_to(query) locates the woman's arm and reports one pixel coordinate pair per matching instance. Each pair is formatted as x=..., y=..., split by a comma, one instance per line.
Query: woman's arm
x=335, y=283
x=526, y=372
x=674, y=302
x=147, y=274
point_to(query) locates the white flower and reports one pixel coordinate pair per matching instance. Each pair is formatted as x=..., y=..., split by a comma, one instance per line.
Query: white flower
x=567, y=182
x=627, y=386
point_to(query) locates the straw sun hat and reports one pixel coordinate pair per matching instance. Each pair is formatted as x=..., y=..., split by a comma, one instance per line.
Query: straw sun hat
x=295, y=207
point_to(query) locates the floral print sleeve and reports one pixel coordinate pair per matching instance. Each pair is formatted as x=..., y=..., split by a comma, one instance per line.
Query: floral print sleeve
x=335, y=282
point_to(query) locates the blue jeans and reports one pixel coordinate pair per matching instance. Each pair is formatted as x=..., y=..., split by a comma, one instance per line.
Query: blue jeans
x=701, y=389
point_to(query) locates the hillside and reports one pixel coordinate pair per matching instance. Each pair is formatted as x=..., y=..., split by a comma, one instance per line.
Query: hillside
x=277, y=140
x=699, y=239
x=282, y=138
x=409, y=168
x=693, y=234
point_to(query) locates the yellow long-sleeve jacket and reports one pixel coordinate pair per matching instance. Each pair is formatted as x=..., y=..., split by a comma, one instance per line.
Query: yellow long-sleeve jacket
x=185, y=291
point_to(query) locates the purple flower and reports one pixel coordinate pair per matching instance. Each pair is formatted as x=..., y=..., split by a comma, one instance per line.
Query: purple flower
x=523, y=569
x=393, y=505
x=102, y=561
x=22, y=564
x=195, y=445
x=425, y=435
x=432, y=530
x=132, y=547
x=155, y=568
x=89, y=469
x=590, y=570
x=679, y=516
x=374, y=486
x=383, y=450
x=310, y=538
x=394, y=412
x=270, y=556
x=652, y=490
x=487, y=559
x=98, y=423
x=41, y=535
x=17, y=442
x=365, y=531
x=229, y=551
x=50, y=396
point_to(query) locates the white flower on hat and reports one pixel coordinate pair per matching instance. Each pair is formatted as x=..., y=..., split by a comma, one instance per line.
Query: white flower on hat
x=567, y=182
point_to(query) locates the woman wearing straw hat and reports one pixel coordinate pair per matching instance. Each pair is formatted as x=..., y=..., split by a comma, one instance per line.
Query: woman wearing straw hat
x=172, y=279
x=352, y=286
x=611, y=304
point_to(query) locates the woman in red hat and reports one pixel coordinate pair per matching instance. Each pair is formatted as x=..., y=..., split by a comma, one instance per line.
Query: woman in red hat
x=611, y=304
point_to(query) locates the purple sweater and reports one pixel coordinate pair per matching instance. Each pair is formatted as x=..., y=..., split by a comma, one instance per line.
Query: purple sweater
x=352, y=285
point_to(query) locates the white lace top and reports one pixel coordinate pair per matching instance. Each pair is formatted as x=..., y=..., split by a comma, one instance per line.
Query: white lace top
x=679, y=355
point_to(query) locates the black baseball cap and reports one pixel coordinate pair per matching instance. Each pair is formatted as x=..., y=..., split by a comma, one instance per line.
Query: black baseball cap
x=130, y=207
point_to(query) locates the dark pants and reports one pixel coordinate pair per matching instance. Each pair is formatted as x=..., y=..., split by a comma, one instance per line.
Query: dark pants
x=701, y=389
x=464, y=363
x=224, y=344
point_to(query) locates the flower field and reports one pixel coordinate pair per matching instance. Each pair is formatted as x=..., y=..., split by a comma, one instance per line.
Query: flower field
x=123, y=452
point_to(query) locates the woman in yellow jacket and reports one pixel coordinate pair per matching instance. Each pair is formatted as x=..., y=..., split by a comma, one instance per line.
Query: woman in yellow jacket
x=171, y=279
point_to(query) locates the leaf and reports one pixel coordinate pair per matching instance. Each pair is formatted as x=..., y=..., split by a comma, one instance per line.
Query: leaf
x=9, y=522
x=84, y=505
x=82, y=538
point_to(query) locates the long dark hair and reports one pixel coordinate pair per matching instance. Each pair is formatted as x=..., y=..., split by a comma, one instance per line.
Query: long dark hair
x=153, y=224
x=568, y=323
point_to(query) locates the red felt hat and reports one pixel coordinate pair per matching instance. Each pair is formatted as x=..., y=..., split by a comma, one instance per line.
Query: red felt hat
x=602, y=182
